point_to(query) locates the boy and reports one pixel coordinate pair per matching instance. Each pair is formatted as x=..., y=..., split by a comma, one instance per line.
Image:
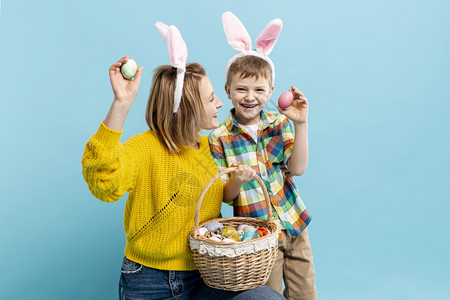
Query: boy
x=265, y=141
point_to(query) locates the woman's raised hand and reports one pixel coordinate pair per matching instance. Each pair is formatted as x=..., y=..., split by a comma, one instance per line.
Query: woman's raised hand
x=125, y=90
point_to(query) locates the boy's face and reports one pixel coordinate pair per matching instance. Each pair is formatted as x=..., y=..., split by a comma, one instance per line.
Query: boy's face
x=248, y=96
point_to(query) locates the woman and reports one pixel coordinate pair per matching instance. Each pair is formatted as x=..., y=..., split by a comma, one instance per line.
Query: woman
x=163, y=170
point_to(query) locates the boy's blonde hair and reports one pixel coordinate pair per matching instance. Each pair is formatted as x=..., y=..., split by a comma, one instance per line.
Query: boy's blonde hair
x=180, y=129
x=250, y=66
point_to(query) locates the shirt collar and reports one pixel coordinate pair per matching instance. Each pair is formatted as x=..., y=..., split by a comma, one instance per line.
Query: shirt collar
x=266, y=118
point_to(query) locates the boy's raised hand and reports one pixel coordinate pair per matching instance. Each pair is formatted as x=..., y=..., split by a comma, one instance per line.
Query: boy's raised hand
x=298, y=111
x=125, y=90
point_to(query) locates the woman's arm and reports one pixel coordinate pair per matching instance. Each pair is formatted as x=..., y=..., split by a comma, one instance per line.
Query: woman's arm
x=125, y=92
x=107, y=167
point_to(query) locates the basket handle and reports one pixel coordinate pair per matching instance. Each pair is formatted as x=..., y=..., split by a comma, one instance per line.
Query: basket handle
x=211, y=181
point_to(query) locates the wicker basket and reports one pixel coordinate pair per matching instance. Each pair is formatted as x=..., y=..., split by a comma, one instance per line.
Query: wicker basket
x=235, y=266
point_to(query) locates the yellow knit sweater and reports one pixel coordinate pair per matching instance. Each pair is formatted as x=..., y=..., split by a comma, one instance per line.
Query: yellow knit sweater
x=163, y=189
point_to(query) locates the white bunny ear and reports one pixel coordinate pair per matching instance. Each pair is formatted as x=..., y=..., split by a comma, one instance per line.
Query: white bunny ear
x=268, y=37
x=236, y=34
x=177, y=55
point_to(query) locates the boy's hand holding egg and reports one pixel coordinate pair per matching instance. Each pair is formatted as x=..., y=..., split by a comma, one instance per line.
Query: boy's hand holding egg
x=285, y=100
x=294, y=105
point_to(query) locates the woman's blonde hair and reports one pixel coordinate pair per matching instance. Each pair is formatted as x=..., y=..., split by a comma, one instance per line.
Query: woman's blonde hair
x=250, y=66
x=180, y=129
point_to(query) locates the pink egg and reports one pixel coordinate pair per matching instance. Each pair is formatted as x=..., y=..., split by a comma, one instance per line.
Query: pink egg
x=285, y=100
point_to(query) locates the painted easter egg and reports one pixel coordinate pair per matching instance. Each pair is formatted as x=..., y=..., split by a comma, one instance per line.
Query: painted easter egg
x=285, y=100
x=129, y=69
x=213, y=226
x=202, y=231
x=249, y=229
x=262, y=231
x=229, y=231
x=250, y=235
x=235, y=237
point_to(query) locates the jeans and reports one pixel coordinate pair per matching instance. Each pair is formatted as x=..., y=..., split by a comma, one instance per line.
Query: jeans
x=138, y=282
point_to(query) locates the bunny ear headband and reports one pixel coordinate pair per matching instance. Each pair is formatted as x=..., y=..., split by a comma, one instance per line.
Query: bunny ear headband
x=239, y=39
x=177, y=54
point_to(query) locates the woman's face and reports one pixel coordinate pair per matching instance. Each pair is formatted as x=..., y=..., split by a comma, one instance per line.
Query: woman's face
x=211, y=104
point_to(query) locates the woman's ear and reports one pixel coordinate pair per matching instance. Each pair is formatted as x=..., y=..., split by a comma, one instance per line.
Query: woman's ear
x=227, y=90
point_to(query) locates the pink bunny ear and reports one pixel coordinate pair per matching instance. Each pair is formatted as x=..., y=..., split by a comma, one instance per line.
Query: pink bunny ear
x=236, y=34
x=177, y=55
x=163, y=30
x=175, y=44
x=268, y=37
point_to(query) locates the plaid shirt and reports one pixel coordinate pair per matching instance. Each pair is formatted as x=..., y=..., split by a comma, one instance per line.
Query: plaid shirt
x=230, y=143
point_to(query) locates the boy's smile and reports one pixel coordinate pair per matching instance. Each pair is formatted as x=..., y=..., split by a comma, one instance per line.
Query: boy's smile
x=248, y=96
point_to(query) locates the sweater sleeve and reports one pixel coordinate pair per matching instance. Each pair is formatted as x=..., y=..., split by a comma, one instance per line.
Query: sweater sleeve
x=107, y=166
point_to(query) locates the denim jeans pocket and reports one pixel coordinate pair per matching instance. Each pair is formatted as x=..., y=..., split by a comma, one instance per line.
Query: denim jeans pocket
x=130, y=267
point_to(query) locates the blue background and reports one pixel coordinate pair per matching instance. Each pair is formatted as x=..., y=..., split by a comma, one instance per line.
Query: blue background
x=376, y=74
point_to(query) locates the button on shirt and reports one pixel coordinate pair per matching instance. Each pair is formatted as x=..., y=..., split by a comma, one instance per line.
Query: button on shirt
x=268, y=156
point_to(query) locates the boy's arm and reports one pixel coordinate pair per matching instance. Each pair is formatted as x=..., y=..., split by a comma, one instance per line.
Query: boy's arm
x=230, y=191
x=218, y=155
x=298, y=161
x=231, y=188
x=233, y=184
x=298, y=114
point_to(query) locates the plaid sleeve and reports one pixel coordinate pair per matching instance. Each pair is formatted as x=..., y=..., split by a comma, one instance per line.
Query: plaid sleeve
x=288, y=139
x=218, y=154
